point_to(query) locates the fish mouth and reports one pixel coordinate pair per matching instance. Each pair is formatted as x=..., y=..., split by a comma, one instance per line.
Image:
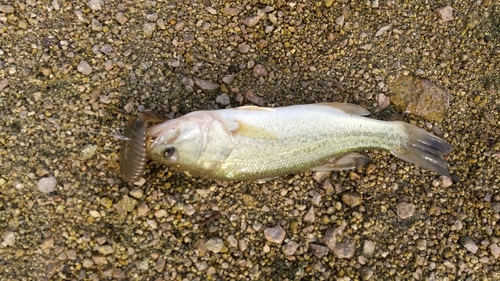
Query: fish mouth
x=160, y=135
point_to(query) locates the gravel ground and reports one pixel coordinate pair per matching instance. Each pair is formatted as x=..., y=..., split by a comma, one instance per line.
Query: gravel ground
x=72, y=72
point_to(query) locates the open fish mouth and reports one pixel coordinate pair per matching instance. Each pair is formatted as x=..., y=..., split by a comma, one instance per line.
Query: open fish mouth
x=133, y=150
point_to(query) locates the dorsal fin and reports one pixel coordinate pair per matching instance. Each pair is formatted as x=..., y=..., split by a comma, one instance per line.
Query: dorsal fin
x=348, y=108
x=253, y=107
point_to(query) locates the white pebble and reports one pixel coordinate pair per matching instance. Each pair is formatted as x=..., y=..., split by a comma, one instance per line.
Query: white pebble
x=47, y=185
x=446, y=13
x=95, y=5
x=9, y=239
x=84, y=68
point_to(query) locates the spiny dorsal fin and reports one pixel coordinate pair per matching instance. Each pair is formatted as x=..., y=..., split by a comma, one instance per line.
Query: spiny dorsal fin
x=348, y=108
x=253, y=107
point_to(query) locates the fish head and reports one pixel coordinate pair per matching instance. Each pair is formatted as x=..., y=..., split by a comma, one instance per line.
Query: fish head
x=180, y=142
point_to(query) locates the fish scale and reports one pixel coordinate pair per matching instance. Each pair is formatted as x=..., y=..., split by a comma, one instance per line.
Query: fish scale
x=300, y=152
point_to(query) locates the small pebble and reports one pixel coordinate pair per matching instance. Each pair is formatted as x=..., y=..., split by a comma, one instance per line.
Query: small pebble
x=211, y=10
x=137, y=193
x=160, y=264
x=340, y=21
x=142, y=210
x=320, y=177
x=105, y=250
x=3, y=83
x=202, y=265
x=469, y=244
x=251, y=21
x=405, y=210
x=88, y=151
x=94, y=5
x=421, y=244
x=120, y=18
x=383, y=29
x=148, y=29
x=9, y=239
x=366, y=273
x=232, y=241
x=266, y=249
x=289, y=248
x=189, y=209
x=318, y=250
x=211, y=271
x=47, y=185
x=273, y=19
x=309, y=217
x=214, y=245
x=257, y=226
x=274, y=234
x=495, y=250
x=316, y=197
x=126, y=204
x=6, y=9
x=104, y=99
x=152, y=17
x=84, y=68
x=331, y=234
x=253, y=98
x=328, y=187
x=160, y=213
x=231, y=11
x=328, y=3
x=106, y=49
x=260, y=70
x=228, y=79
x=223, y=99
x=205, y=85
x=242, y=245
x=106, y=202
x=243, y=48
x=345, y=249
x=383, y=101
x=446, y=181
x=86, y=263
x=445, y=13
x=352, y=199
x=369, y=248
x=94, y=213
x=99, y=260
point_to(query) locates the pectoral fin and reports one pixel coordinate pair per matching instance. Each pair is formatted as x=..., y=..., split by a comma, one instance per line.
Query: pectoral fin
x=254, y=132
x=345, y=162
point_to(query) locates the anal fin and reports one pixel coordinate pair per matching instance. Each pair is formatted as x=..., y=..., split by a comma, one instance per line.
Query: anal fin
x=347, y=161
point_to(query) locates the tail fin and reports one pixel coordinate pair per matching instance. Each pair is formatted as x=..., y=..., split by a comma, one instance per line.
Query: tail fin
x=424, y=149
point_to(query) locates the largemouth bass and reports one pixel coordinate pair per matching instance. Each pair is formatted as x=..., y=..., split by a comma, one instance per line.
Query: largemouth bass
x=251, y=143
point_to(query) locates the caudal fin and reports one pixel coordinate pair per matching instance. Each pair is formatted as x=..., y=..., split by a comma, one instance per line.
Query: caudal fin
x=424, y=149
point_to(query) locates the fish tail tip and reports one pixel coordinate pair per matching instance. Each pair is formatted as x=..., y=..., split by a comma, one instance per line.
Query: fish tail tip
x=424, y=150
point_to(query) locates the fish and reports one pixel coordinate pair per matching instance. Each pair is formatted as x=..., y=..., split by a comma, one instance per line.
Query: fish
x=252, y=143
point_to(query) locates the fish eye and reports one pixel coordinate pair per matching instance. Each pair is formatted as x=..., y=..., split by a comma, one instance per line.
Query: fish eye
x=169, y=152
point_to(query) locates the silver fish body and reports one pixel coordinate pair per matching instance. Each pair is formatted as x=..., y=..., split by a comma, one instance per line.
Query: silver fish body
x=250, y=143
